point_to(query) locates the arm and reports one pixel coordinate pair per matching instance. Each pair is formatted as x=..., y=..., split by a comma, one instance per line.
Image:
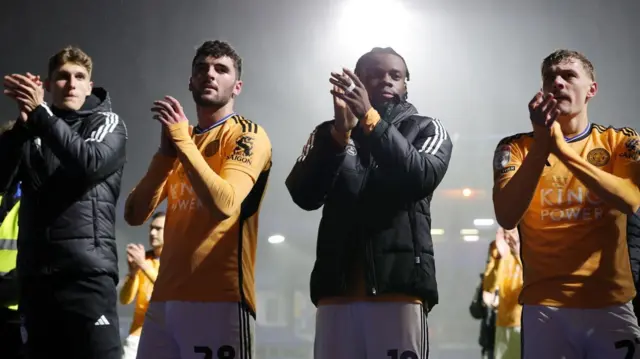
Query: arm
x=515, y=181
x=96, y=157
x=224, y=193
x=490, y=281
x=11, y=148
x=421, y=165
x=633, y=241
x=620, y=189
x=150, y=191
x=149, y=272
x=317, y=168
x=129, y=289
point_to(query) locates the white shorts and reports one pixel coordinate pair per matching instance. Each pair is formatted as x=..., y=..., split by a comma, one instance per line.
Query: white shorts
x=130, y=347
x=571, y=333
x=371, y=330
x=197, y=330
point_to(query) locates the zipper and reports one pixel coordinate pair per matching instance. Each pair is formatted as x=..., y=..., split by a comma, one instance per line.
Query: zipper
x=370, y=270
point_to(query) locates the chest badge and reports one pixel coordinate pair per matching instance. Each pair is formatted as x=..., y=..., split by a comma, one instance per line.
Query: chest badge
x=598, y=157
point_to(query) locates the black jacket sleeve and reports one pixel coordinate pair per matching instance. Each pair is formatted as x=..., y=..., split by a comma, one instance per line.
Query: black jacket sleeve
x=9, y=289
x=420, y=165
x=96, y=157
x=316, y=170
x=633, y=241
x=11, y=152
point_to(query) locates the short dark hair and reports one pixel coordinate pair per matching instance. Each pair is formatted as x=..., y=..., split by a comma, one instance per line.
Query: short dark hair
x=563, y=55
x=70, y=54
x=158, y=215
x=217, y=49
x=364, y=60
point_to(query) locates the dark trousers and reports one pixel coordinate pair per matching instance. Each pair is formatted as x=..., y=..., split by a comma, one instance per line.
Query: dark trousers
x=11, y=346
x=72, y=317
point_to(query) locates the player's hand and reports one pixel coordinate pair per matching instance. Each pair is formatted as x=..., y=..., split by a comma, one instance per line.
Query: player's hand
x=513, y=241
x=501, y=243
x=344, y=121
x=168, y=111
x=356, y=99
x=543, y=113
x=26, y=90
x=137, y=254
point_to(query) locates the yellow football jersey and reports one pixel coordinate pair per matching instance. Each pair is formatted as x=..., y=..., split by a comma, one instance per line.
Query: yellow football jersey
x=574, y=246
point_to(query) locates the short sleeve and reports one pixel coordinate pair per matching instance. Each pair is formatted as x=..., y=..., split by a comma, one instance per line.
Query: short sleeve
x=249, y=151
x=627, y=157
x=507, y=158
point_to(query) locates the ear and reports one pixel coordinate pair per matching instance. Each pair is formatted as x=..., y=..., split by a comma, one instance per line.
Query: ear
x=190, y=83
x=90, y=87
x=237, y=88
x=593, y=90
x=47, y=85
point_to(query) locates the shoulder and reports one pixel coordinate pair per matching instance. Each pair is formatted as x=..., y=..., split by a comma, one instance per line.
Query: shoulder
x=240, y=125
x=515, y=140
x=625, y=139
x=104, y=123
x=245, y=131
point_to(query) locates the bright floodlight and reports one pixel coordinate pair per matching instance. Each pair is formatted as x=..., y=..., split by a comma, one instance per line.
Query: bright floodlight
x=275, y=239
x=471, y=238
x=466, y=192
x=483, y=222
x=366, y=23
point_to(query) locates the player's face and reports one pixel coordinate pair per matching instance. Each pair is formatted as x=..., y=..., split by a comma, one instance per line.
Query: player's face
x=156, y=232
x=571, y=85
x=385, y=78
x=214, y=81
x=69, y=86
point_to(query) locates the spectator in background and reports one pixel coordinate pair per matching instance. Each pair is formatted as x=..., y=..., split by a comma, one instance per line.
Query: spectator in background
x=138, y=285
x=11, y=347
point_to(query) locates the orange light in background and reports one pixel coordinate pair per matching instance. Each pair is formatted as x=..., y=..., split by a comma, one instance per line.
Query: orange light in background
x=467, y=192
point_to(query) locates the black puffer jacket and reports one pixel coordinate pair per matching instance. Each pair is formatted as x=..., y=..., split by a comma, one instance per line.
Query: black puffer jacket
x=70, y=165
x=376, y=194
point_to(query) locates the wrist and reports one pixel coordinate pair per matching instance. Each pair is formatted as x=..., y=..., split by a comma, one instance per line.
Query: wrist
x=340, y=136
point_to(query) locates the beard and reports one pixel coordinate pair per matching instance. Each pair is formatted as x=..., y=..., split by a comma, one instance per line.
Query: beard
x=217, y=101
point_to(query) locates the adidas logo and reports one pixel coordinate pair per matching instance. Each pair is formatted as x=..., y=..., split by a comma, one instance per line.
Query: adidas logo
x=102, y=321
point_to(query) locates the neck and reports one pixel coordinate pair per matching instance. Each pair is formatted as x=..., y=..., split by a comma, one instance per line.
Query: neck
x=157, y=251
x=208, y=116
x=573, y=125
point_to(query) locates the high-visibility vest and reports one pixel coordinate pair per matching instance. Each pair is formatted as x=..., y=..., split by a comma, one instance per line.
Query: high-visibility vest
x=9, y=242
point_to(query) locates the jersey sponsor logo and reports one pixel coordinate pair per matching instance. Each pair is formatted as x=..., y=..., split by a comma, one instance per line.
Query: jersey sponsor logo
x=507, y=169
x=632, y=149
x=212, y=148
x=565, y=203
x=182, y=197
x=502, y=157
x=243, y=150
x=598, y=157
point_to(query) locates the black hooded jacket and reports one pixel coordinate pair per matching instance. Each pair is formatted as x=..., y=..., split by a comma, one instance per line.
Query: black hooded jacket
x=376, y=194
x=70, y=165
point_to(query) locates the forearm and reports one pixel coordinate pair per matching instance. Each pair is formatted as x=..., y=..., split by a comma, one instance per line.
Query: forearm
x=316, y=170
x=621, y=194
x=150, y=192
x=213, y=191
x=11, y=148
x=129, y=289
x=149, y=272
x=511, y=201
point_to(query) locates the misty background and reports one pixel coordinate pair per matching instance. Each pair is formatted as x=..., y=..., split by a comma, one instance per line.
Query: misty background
x=474, y=64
